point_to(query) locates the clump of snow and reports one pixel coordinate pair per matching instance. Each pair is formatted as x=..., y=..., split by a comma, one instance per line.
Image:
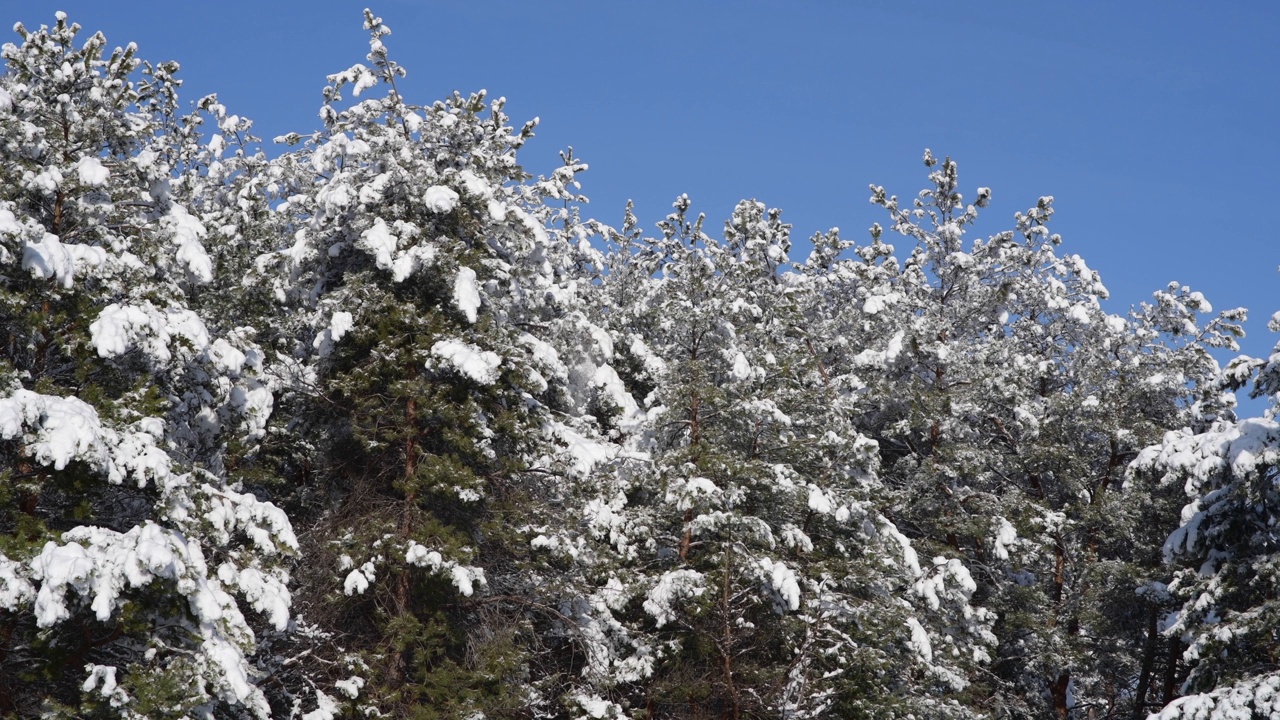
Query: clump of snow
x=47, y=181
x=350, y=687
x=263, y=522
x=440, y=199
x=1080, y=314
x=741, y=367
x=874, y=358
x=674, y=585
x=357, y=581
x=54, y=430
x=1248, y=698
x=948, y=576
x=466, y=293
x=411, y=260
x=224, y=357
x=326, y=708
x=781, y=582
x=603, y=341
x=91, y=172
x=339, y=323
x=652, y=363
x=1005, y=537
x=15, y=590
x=464, y=577
x=422, y=557
x=119, y=328
x=111, y=690
x=920, y=640
x=610, y=384
x=474, y=184
x=379, y=242
x=684, y=492
x=51, y=258
x=910, y=559
x=266, y=592
x=877, y=303
x=597, y=707
x=584, y=453
x=544, y=355
x=187, y=232
x=116, y=329
x=255, y=404
x=469, y=360
x=819, y=501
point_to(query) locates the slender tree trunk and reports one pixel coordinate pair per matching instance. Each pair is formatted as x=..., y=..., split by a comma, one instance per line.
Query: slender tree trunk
x=403, y=582
x=1148, y=664
x=687, y=538
x=1171, y=672
x=695, y=437
x=726, y=641
x=1058, y=689
x=1059, y=580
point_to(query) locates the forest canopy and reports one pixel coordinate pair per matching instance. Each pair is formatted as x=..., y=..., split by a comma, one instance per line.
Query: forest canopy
x=379, y=424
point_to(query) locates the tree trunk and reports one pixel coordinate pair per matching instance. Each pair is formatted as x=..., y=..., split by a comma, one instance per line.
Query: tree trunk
x=1058, y=689
x=403, y=582
x=1148, y=664
x=726, y=642
x=1171, y=672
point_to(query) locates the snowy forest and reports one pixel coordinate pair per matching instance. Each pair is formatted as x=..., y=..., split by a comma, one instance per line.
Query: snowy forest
x=369, y=422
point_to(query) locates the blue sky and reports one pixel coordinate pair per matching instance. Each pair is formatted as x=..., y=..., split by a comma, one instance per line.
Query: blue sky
x=1154, y=125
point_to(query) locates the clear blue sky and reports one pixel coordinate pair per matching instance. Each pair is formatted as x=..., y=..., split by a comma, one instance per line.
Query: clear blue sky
x=1154, y=125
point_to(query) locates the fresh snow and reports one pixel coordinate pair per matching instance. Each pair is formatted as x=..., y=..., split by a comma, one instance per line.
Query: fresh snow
x=466, y=293
x=52, y=259
x=440, y=199
x=92, y=172
x=379, y=242
x=188, y=233
x=673, y=586
x=469, y=360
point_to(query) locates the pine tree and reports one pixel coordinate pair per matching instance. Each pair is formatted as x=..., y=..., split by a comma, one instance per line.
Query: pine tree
x=421, y=292
x=1007, y=404
x=686, y=477
x=737, y=565
x=130, y=553
x=1226, y=553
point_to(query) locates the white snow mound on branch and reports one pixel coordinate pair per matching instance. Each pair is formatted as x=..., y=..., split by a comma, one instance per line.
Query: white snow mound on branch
x=56, y=430
x=187, y=232
x=673, y=586
x=469, y=360
x=466, y=293
x=584, y=452
x=91, y=172
x=51, y=258
x=464, y=577
x=1250, y=698
x=379, y=242
x=15, y=590
x=118, y=328
x=781, y=582
x=440, y=199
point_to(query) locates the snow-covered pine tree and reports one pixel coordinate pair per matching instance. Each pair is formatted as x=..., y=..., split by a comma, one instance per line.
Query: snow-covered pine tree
x=1007, y=404
x=130, y=557
x=739, y=564
x=425, y=284
x=1226, y=552
x=690, y=483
